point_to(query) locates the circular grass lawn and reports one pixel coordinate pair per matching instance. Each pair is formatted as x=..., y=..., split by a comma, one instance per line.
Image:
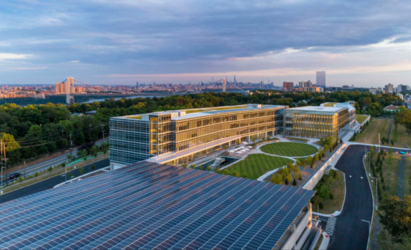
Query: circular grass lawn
x=289, y=149
x=255, y=165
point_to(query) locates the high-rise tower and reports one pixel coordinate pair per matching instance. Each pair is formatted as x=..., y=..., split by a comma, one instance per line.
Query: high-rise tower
x=321, y=79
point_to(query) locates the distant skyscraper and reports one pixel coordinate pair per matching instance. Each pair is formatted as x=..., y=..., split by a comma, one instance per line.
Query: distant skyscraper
x=235, y=81
x=389, y=88
x=224, y=85
x=321, y=79
x=69, y=90
x=288, y=86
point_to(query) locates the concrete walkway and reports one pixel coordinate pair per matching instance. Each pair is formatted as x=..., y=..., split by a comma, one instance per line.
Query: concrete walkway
x=389, y=131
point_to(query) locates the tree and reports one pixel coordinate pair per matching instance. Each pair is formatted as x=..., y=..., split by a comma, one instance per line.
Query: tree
x=277, y=179
x=193, y=166
x=184, y=165
x=236, y=173
x=209, y=169
x=217, y=169
x=20, y=179
x=395, y=214
x=245, y=175
x=70, y=175
x=92, y=167
x=316, y=157
x=304, y=163
x=85, y=154
x=226, y=172
x=294, y=182
x=12, y=147
x=289, y=178
x=324, y=192
x=50, y=169
x=36, y=174
x=82, y=170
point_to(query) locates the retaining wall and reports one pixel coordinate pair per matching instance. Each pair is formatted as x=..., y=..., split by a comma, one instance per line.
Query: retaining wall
x=316, y=177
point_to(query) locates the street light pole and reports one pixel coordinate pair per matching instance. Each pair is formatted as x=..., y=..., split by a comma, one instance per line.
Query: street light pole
x=376, y=192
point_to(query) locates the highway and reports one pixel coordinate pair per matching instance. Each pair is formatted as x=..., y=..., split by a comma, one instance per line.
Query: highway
x=49, y=183
x=52, y=162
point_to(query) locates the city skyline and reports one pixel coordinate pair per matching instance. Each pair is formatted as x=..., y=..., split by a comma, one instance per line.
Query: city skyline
x=363, y=44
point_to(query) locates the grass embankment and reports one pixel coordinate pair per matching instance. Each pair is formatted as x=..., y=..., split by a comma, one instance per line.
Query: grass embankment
x=361, y=118
x=375, y=127
x=47, y=174
x=388, y=176
x=400, y=136
x=255, y=165
x=296, y=139
x=407, y=177
x=289, y=149
x=330, y=194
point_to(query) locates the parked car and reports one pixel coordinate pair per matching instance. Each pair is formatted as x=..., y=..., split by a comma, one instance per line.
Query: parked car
x=14, y=176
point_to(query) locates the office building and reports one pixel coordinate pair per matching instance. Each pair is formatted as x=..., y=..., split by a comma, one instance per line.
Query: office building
x=152, y=206
x=376, y=91
x=320, y=79
x=403, y=88
x=313, y=89
x=177, y=137
x=316, y=122
x=224, y=85
x=389, y=89
x=307, y=84
x=288, y=86
x=183, y=136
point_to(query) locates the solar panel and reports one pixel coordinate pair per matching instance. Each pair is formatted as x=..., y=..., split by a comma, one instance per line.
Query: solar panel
x=148, y=205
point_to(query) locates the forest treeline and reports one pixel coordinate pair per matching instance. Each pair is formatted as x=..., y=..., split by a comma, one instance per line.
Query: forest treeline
x=33, y=130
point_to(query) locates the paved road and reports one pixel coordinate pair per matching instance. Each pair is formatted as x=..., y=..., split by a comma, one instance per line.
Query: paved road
x=53, y=162
x=350, y=231
x=49, y=183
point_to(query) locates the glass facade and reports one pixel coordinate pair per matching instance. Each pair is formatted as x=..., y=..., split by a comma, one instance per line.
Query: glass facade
x=129, y=140
x=315, y=123
x=136, y=138
x=163, y=132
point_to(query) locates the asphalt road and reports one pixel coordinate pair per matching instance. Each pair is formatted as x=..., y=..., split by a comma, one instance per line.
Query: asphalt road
x=49, y=183
x=52, y=162
x=352, y=227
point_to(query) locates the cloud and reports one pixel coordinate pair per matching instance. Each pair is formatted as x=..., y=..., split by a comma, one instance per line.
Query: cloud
x=75, y=61
x=5, y=56
x=154, y=37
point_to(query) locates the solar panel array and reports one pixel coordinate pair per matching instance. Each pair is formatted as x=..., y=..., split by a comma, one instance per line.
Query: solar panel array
x=148, y=205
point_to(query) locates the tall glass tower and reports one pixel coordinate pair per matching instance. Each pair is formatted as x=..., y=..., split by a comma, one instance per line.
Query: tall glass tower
x=321, y=79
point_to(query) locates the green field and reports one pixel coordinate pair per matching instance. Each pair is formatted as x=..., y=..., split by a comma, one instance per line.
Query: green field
x=370, y=133
x=255, y=165
x=361, y=118
x=289, y=149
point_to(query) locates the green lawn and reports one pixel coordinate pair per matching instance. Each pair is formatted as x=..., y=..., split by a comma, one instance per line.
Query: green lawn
x=289, y=149
x=255, y=165
x=361, y=118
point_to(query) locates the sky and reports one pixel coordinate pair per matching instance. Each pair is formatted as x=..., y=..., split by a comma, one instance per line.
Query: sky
x=362, y=42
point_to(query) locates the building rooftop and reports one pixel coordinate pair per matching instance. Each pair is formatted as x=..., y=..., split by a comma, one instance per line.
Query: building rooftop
x=194, y=113
x=149, y=206
x=319, y=108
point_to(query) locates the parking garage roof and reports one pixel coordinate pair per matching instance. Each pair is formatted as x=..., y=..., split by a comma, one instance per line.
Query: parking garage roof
x=148, y=205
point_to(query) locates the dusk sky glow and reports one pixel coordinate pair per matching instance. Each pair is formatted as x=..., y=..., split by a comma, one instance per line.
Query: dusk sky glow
x=365, y=43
